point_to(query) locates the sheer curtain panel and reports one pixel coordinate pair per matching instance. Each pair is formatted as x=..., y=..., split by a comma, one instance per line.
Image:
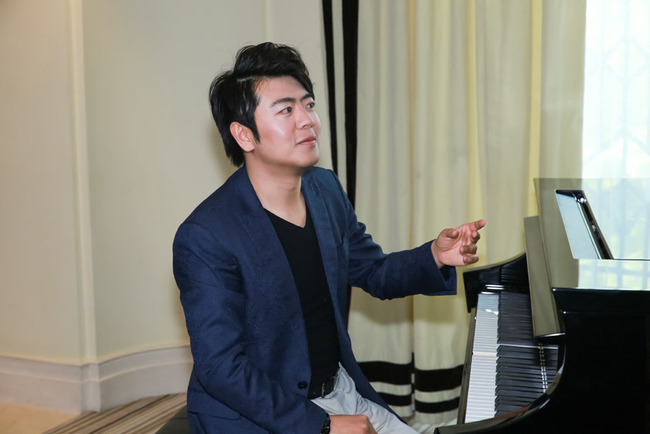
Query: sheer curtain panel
x=460, y=105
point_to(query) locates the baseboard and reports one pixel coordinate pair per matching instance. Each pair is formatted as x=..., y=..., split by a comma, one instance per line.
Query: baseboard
x=94, y=386
x=32, y=383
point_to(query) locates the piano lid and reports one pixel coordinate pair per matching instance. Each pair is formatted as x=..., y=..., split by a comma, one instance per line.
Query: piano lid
x=596, y=232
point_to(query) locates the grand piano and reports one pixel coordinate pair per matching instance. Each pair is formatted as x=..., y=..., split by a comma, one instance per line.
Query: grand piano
x=559, y=338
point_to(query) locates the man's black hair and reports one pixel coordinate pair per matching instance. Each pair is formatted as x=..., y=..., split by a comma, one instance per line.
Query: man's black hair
x=233, y=96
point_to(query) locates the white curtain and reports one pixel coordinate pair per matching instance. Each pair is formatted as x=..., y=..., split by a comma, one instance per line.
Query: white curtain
x=461, y=103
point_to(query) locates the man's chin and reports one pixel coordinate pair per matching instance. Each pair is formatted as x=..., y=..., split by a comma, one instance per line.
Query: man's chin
x=314, y=160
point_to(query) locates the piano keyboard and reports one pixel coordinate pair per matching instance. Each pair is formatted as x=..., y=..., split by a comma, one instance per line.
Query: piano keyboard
x=481, y=393
x=508, y=368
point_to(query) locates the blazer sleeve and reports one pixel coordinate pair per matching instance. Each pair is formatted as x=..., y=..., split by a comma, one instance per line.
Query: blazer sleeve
x=210, y=285
x=393, y=275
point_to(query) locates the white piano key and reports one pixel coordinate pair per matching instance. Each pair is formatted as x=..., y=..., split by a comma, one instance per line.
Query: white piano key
x=481, y=392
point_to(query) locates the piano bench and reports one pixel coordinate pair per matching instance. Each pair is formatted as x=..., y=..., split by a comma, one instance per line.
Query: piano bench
x=178, y=424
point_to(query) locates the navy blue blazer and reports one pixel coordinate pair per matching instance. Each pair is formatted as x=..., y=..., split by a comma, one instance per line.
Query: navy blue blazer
x=247, y=335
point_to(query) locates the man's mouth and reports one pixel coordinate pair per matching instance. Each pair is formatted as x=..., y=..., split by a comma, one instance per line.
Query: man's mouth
x=311, y=140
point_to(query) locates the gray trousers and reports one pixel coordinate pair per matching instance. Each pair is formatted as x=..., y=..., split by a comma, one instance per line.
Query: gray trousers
x=344, y=399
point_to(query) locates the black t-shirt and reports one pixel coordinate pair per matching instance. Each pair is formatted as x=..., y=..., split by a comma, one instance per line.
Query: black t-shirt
x=303, y=253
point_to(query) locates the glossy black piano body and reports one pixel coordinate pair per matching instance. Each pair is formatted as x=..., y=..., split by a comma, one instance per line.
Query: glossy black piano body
x=588, y=263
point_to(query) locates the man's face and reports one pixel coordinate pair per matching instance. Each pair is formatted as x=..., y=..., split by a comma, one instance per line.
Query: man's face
x=288, y=126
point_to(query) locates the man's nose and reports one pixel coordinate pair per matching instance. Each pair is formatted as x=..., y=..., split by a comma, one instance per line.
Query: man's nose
x=305, y=118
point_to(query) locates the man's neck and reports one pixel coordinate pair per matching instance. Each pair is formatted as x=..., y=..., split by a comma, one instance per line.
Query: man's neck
x=281, y=195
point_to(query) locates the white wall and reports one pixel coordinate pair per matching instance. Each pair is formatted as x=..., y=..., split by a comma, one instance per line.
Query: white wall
x=39, y=311
x=106, y=144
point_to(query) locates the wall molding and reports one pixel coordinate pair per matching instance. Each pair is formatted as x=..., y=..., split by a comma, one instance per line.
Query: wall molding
x=94, y=386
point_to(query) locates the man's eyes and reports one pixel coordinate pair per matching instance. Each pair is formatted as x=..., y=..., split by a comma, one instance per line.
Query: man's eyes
x=310, y=105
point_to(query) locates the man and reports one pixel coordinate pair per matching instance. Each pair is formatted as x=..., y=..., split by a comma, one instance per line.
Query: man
x=264, y=263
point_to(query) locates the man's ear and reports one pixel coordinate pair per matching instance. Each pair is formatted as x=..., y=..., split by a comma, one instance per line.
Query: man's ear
x=243, y=135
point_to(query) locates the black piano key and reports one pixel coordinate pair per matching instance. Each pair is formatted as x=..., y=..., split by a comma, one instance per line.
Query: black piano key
x=524, y=368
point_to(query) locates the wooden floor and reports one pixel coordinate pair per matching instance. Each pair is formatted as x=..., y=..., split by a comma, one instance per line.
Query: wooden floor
x=144, y=416
x=21, y=419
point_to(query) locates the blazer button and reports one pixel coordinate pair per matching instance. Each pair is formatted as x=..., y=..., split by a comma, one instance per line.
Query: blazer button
x=303, y=385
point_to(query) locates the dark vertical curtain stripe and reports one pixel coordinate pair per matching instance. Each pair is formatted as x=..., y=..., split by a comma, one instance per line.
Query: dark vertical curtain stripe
x=350, y=18
x=350, y=13
x=328, y=24
x=350, y=44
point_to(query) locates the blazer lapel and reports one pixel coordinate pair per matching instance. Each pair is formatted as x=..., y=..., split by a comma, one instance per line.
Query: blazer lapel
x=275, y=276
x=266, y=252
x=327, y=243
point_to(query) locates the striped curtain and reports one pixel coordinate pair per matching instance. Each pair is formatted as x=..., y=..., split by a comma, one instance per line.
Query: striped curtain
x=341, y=42
x=451, y=108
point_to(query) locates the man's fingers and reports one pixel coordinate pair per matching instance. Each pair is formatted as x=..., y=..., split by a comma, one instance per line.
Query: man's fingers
x=469, y=249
